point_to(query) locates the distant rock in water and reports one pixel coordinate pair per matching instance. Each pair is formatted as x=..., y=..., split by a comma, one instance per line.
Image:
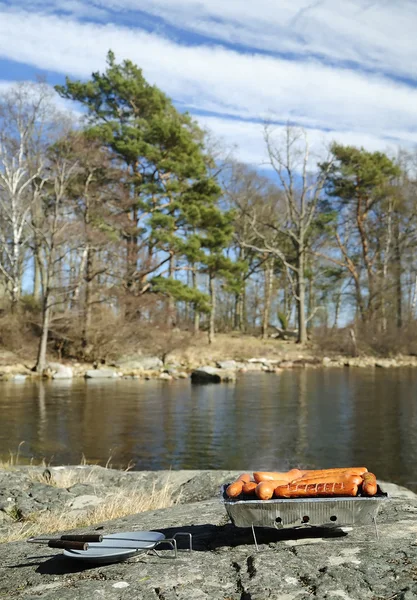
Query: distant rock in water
x=212, y=375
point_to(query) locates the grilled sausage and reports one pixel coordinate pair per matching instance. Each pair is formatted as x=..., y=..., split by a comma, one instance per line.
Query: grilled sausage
x=249, y=488
x=265, y=489
x=287, y=476
x=235, y=489
x=331, y=479
x=315, y=490
x=369, y=485
x=337, y=471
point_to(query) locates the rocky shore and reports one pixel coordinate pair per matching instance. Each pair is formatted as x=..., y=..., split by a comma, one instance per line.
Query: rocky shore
x=150, y=367
x=290, y=565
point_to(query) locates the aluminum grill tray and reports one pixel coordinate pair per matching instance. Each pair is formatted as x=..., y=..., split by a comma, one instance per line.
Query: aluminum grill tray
x=319, y=512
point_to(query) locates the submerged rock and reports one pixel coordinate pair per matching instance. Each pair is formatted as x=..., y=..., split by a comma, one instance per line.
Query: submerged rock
x=212, y=375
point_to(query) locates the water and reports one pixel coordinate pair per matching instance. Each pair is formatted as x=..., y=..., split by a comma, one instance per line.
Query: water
x=307, y=418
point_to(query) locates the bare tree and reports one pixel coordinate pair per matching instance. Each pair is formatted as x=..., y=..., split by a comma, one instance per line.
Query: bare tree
x=284, y=227
x=55, y=233
x=22, y=109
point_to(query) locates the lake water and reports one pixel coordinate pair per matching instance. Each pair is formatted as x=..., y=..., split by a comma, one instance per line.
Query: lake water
x=307, y=418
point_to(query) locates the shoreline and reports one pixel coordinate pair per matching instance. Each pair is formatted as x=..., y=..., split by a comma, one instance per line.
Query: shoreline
x=226, y=369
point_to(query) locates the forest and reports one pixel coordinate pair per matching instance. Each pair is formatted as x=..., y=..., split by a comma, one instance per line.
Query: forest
x=123, y=223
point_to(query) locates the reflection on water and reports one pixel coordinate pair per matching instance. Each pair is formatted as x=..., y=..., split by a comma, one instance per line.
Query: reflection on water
x=311, y=418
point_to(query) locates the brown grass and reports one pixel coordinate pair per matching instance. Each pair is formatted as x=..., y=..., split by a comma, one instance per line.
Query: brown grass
x=237, y=346
x=120, y=504
x=67, y=477
x=13, y=460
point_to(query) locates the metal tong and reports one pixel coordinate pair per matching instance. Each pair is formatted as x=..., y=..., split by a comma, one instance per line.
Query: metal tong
x=67, y=542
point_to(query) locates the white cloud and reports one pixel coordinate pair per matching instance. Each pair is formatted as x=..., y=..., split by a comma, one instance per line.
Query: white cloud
x=247, y=139
x=377, y=34
x=212, y=78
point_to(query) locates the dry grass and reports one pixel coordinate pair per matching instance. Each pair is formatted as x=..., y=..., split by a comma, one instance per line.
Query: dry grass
x=238, y=347
x=62, y=477
x=13, y=460
x=120, y=504
x=65, y=478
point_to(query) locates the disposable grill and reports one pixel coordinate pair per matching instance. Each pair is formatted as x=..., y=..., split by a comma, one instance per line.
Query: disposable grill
x=280, y=513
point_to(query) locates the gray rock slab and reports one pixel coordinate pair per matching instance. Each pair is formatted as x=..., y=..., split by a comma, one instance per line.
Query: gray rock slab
x=82, y=502
x=290, y=565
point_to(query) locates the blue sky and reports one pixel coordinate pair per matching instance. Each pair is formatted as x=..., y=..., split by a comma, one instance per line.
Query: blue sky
x=345, y=70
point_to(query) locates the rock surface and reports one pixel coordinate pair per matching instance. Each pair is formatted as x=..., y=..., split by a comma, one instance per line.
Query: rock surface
x=27, y=490
x=291, y=564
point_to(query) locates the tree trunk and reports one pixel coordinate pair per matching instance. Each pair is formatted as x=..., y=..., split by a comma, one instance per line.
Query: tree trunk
x=311, y=299
x=337, y=310
x=172, y=316
x=212, y=291
x=269, y=280
x=196, y=311
x=132, y=252
x=41, y=359
x=85, y=336
x=301, y=296
x=398, y=272
x=237, y=323
x=361, y=216
x=36, y=277
x=81, y=275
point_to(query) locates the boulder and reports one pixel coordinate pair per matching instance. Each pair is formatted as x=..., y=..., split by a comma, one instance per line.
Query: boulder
x=100, y=374
x=59, y=371
x=181, y=375
x=19, y=378
x=212, y=375
x=165, y=377
x=253, y=366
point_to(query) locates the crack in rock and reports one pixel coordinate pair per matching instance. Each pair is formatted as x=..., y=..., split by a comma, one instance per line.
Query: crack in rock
x=244, y=594
x=250, y=563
